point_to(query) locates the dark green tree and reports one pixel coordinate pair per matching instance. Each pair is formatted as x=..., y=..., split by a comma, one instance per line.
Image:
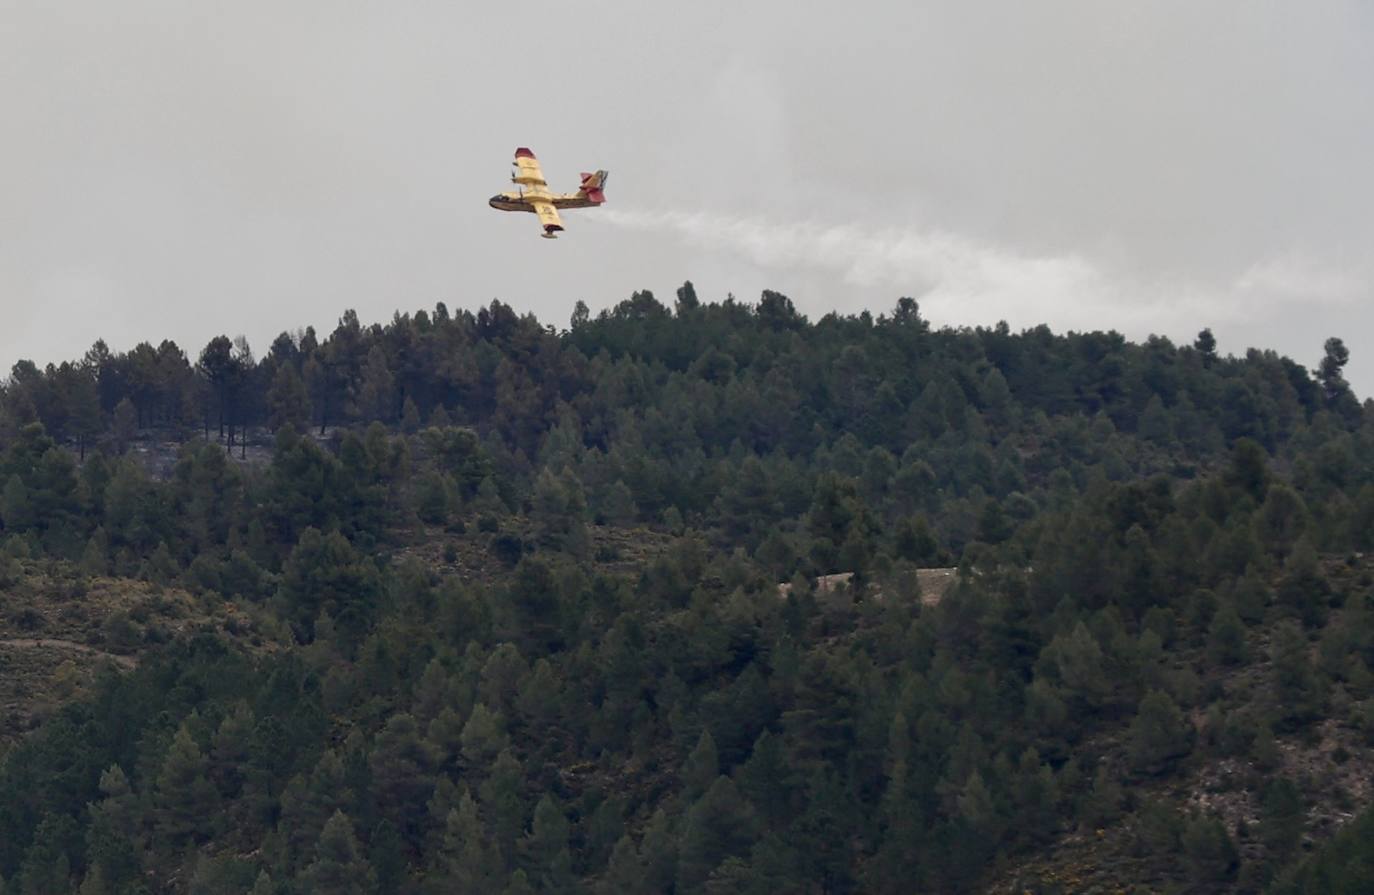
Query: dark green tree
x=325, y=574
x=1212, y=856
x=401, y=762
x=1226, y=637
x=1296, y=695
x=1282, y=817
x=288, y=401
x=720, y=825
x=47, y=865
x=1206, y=345
x=545, y=855
x=466, y=861
x=339, y=867
x=701, y=768
x=1159, y=735
x=184, y=798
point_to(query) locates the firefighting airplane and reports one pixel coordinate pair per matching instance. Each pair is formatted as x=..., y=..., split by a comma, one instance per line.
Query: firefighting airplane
x=533, y=193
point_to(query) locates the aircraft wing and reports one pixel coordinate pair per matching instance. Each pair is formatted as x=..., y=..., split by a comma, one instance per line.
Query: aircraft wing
x=527, y=169
x=548, y=216
x=534, y=192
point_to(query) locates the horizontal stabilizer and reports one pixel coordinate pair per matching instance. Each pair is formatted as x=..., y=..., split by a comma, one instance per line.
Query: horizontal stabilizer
x=593, y=186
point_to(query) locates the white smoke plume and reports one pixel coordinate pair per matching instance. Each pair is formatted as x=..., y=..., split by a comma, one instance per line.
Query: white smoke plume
x=964, y=280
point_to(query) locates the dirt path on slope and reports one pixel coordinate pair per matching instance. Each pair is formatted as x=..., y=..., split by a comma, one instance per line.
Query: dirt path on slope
x=125, y=662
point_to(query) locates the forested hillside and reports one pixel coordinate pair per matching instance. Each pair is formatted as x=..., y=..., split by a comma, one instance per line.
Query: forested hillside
x=468, y=603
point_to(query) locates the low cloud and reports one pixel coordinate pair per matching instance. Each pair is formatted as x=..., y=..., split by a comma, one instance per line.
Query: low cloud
x=959, y=278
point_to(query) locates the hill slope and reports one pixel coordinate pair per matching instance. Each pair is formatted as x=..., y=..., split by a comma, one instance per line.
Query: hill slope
x=513, y=621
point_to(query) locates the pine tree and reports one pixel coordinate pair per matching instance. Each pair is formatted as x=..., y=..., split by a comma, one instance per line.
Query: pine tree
x=1226, y=637
x=93, y=884
x=306, y=805
x=95, y=558
x=1252, y=596
x=1211, y=854
x=1334, y=386
x=401, y=763
x=377, y=395
x=1206, y=345
x=445, y=736
x=658, y=853
x=219, y=875
x=601, y=831
x=16, y=508
x=539, y=700
x=1296, y=695
x=1158, y=828
x=1078, y=662
x=1159, y=734
x=720, y=825
x=503, y=802
x=1036, y=795
x=184, y=801
x=115, y=831
x=436, y=498
x=1155, y=423
x=900, y=814
x=444, y=801
x=229, y=751
x=1304, y=592
x=687, y=302
x=466, y=861
x=519, y=885
x=483, y=737
x=434, y=693
x=47, y=865
x=339, y=867
x=1341, y=866
x=1248, y=471
x=701, y=768
x=618, y=506
x=410, y=416
x=624, y=872
x=124, y=425
x=559, y=505
x=763, y=779
x=1101, y=806
x=1362, y=519
x=1281, y=520
x=325, y=572
x=288, y=401
x=83, y=408
x=386, y=852
x=993, y=525
x=545, y=854
x=1265, y=750
x=1282, y=817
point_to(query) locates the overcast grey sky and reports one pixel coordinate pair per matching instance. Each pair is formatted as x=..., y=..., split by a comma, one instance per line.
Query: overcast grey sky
x=180, y=170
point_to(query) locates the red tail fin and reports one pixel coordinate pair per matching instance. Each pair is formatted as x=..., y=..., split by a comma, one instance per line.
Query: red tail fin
x=593, y=186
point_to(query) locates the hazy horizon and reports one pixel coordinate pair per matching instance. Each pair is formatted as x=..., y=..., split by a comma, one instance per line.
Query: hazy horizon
x=173, y=173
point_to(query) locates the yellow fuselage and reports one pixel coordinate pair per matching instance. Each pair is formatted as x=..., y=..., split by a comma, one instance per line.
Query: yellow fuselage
x=523, y=200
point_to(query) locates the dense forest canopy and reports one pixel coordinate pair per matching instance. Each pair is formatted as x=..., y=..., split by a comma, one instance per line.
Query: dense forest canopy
x=499, y=609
